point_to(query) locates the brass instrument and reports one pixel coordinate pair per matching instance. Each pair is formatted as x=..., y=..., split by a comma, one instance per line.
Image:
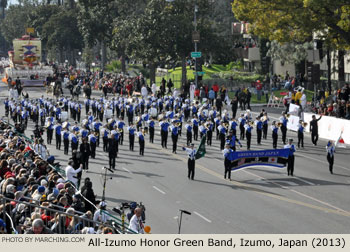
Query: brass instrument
x=47, y=125
x=264, y=118
x=60, y=104
x=287, y=115
x=178, y=124
x=64, y=125
x=279, y=124
x=97, y=133
x=120, y=130
x=251, y=124
x=225, y=125
x=304, y=124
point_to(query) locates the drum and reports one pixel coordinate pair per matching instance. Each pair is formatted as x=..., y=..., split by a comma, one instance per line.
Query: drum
x=64, y=116
x=109, y=113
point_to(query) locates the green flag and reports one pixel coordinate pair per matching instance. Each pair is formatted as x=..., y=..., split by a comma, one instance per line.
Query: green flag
x=201, y=149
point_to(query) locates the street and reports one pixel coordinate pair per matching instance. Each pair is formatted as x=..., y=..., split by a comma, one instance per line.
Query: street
x=257, y=200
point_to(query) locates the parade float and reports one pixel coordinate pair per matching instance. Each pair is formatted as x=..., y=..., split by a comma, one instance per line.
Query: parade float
x=25, y=62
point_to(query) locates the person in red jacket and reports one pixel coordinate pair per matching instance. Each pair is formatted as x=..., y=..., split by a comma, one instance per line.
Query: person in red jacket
x=216, y=89
x=196, y=92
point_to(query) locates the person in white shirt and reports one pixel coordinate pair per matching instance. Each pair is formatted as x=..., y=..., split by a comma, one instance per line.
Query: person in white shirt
x=154, y=89
x=136, y=224
x=40, y=148
x=71, y=173
x=144, y=92
x=101, y=214
x=191, y=160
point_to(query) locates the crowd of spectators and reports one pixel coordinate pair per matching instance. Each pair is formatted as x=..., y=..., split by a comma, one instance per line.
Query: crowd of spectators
x=35, y=198
x=336, y=104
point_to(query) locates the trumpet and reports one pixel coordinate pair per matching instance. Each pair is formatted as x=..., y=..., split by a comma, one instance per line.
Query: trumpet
x=304, y=124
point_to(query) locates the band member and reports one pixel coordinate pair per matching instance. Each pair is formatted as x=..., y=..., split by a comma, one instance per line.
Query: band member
x=131, y=130
x=104, y=133
x=259, y=128
x=49, y=130
x=92, y=141
x=232, y=139
x=121, y=125
x=195, y=128
x=217, y=123
x=191, y=160
x=284, y=121
x=7, y=107
x=314, y=129
x=164, y=125
x=330, y=155
x=151, y=125
x=87, y=105
x=174, y=135
x=58, y=131
x=233, y=126
x=242, y=121
x=222, y=132
x=112, y=150
x=141, y=136
x=209, y=126
x=248, y=128
x=301, y=130
x=202, y=130
x=227, y=153
x=274, y=129
x=130, y=113
x=188, y=128
x=96, y=127
x=265, y=121
x=74, y=141
x=65, y=135
x=291, y=157
x=85, y=153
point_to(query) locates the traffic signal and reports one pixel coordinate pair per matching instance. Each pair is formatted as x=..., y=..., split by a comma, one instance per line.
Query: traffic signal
x=313, y=73
x=316, y=74
x=198, y=67
x=265, y=62
x=309, y=71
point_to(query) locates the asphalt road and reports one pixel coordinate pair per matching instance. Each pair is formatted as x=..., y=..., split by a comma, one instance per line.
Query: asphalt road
x=257, y=200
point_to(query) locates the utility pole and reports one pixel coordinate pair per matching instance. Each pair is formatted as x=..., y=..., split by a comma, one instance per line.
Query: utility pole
x=195, y=42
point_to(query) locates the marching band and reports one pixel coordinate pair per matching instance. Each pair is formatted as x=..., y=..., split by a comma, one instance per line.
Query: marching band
x=105, y=118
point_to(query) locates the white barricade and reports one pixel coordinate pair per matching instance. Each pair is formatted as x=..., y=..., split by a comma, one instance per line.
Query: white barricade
x=330, y=128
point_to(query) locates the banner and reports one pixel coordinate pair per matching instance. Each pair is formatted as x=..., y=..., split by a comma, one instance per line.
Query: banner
x=243, y=159
x=201, y=149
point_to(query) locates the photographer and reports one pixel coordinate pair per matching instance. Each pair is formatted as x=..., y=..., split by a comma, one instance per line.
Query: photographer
x=40, y=148
x=38, y=131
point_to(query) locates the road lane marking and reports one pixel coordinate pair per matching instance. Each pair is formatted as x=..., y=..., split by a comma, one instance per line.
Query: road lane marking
x=127, y=170
x=156, y=188
x=305, y=181
x=206, y=219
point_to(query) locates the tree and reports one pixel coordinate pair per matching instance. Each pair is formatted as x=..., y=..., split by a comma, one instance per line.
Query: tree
x=62, y=34
x=297, y=20
x=95, y=19
x=15, y=22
